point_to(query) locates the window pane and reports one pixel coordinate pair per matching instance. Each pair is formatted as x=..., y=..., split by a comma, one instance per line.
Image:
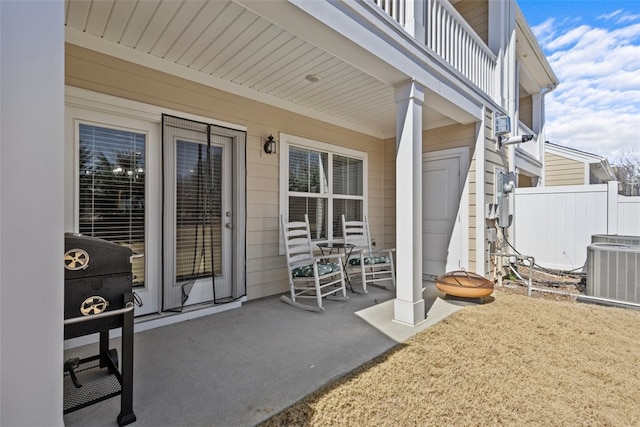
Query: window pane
x=307, y=171
x=316, y=209
x=198, y=210
x=112, y=188
x=352, y=210
x=347, y=176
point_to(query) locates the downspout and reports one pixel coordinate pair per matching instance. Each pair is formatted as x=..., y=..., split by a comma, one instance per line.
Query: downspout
x=541, y=132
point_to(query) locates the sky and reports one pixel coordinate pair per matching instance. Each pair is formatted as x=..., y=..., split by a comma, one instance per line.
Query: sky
x=593, y=47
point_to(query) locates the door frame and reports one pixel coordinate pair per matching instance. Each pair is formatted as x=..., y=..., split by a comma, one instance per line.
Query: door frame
x=170, y=228
x=462, y=228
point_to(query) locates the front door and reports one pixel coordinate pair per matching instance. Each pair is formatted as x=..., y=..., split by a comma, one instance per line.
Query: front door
x=198, y=214
x=442, y=187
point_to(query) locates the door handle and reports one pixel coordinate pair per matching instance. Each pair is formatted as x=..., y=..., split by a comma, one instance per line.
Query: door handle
x=229, y=225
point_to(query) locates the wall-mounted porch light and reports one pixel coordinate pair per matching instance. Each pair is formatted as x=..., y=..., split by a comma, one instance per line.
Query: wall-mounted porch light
x=270, y=145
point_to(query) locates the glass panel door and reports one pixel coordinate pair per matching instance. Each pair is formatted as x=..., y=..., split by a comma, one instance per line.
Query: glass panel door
x=197, y=211
x=114, y=196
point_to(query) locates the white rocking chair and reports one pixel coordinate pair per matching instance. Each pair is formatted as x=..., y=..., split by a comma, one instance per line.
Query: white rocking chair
x=310, y=277
x=374, y=266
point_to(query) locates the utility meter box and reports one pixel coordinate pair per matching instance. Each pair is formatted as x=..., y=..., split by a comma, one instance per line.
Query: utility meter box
x=502, y=125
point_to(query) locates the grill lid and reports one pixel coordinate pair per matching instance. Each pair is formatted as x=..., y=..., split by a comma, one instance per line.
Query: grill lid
x=86, y=256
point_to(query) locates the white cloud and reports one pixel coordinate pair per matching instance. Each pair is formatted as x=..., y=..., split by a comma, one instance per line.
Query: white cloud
x=620, y=16
x=628, y=18
x=596, y=108
x=568, y=38
x=610, y=15
x=545, y=31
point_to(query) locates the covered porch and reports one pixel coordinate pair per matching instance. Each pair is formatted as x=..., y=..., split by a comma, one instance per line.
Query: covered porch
x=311, y=74
x=381, y=100
x=197, y=373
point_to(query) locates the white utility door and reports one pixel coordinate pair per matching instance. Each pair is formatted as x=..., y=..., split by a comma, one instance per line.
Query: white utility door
x=442, y=185
x=198, y=218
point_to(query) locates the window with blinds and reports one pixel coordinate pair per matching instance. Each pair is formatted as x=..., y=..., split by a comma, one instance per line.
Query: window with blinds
x=347, y=191
x=324, y=185
x=112, y=188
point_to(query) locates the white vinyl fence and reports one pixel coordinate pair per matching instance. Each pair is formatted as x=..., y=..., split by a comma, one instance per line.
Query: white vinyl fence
x=555, y=224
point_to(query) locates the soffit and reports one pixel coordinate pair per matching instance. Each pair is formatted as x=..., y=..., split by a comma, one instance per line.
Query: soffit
x=227, y=42
x=535, y=71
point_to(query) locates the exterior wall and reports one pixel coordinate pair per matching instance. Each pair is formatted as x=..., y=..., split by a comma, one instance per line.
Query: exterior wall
x=455, y=136
x=266, y=274
x=476, y=13
x=389, y=174
x=524, y=181
x=562, y=171
x=525, y=112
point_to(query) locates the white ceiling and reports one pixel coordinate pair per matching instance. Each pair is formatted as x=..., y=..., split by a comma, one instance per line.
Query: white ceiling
x=225, y=40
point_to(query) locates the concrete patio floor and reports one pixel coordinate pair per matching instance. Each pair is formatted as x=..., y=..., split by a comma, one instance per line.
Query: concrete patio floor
x=240, y=367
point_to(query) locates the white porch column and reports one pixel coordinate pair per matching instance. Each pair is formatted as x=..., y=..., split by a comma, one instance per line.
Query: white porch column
x=31, y=212
x=409, y=306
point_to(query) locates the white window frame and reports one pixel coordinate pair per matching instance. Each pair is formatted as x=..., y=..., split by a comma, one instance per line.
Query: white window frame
x=287, y=140
x=77, y=114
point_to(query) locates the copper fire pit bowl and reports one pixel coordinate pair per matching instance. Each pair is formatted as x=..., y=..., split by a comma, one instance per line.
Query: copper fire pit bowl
x=463, y=284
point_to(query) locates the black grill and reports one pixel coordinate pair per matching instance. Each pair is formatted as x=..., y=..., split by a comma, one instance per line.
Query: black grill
x=97, y=277
x=98, y=297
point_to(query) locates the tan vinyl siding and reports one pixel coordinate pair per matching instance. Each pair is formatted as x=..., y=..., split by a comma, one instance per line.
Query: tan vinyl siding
x=526, y=111
x=389, y=192
x=525, y=181
x=266, y=274
x=452, y=136
x=476, y=13
x=562, y=171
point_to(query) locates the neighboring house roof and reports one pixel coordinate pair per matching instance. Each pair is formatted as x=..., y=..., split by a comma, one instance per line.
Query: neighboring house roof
x=602, y=170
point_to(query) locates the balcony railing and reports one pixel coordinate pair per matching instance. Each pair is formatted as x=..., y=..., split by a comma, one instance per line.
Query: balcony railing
x=451, y=37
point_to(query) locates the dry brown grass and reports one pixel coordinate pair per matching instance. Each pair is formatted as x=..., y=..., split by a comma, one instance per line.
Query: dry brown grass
x=516, y=361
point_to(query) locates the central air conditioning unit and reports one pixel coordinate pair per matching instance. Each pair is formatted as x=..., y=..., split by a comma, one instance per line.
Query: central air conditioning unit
x=616, y=238
x=613, y=272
